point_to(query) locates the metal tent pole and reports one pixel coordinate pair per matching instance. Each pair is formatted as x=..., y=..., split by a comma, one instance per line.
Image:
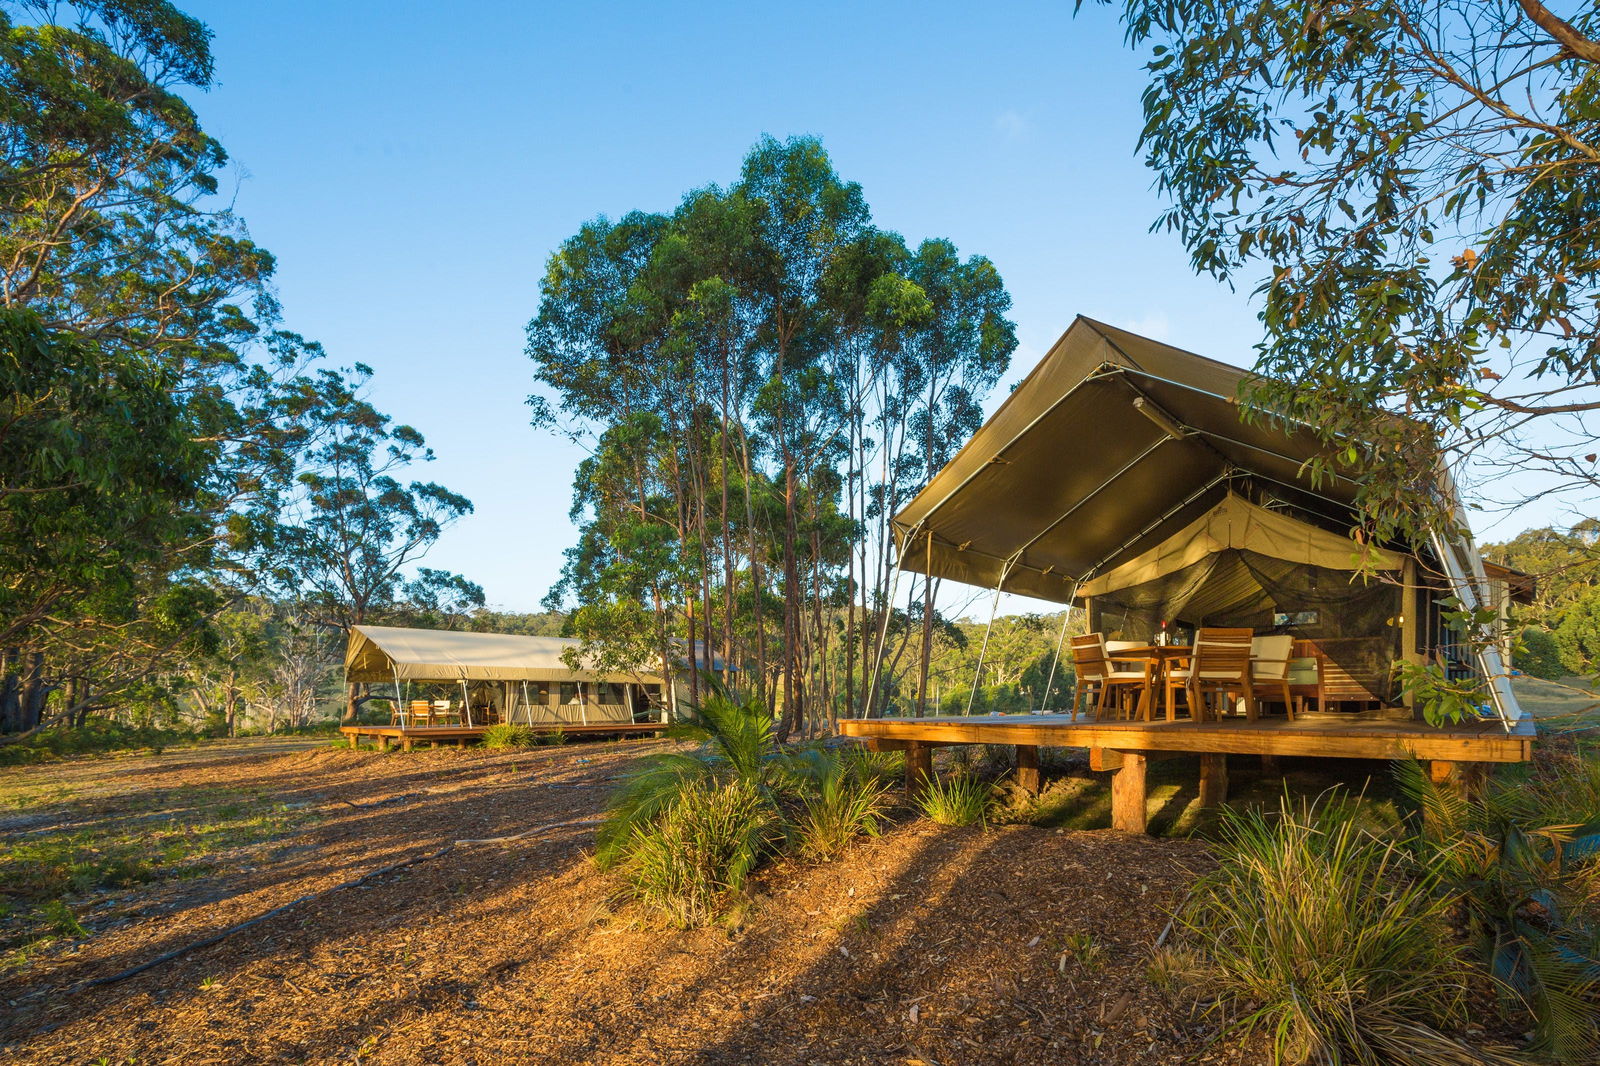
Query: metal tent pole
x=994, y=605
x=466, y=702
x=1044, y=702
x=397, y=703
x=888, y=609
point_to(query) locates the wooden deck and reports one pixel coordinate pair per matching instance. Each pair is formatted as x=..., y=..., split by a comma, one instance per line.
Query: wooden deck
x=409, y=736
x=1455, y=753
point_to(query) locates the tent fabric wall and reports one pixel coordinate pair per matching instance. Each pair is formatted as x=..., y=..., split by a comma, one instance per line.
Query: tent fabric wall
x=387, y=653
x=1239, y=524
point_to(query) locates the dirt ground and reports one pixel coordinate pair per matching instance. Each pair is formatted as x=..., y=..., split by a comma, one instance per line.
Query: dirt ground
x=1012, y=945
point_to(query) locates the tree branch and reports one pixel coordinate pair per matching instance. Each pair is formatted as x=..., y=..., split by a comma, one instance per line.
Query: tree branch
x=1562, y=31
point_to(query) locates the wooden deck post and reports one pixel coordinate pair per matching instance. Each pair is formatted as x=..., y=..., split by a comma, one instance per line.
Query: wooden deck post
x=919, y=767
x=355, y=740
x=405, y=743
x=1270, y=767
x=1467, y=778
x=383, y=742
x=1028, y=768
x=1128, y=794
x=1213, y=780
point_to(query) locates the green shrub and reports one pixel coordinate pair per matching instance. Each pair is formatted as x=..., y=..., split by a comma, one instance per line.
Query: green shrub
x=1522, y=865
x=688, y=828
x=846, y=801
x=960, y=799
x=509, y=735
x=704, y=845
x=1328, y=939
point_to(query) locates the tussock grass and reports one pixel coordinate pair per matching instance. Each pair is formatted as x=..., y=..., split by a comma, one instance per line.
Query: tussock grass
x=509, y=735
x=845, y=804
x=686, y=831
x=703, y=846
x=960, y=799
x=1331, y=940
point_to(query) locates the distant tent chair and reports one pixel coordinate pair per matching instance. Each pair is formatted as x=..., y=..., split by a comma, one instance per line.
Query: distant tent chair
x=1219, y=664
x=1094, y=667
x=1269, y=669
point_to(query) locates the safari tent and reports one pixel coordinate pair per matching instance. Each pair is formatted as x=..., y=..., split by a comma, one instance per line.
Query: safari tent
x=1122, y=476
x=487, y=677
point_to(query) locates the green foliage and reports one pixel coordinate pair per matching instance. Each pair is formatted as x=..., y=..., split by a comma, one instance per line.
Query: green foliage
x=1326, y=939
x=703, y=846
x=846, y=801
x=1410, y=182
x=94, y=737
x=509, y=735
x=1537, y=654
x=59, y=917
x=959, y=799
x=728, y=361
x=1521, y=864
x=1577, y=637
x=688, y=828
x=1443, y=701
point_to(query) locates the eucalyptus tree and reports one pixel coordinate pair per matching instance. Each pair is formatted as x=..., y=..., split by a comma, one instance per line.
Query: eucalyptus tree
x=1410, y=184
x=352, y=533
x=732, y=368
x=149, y=292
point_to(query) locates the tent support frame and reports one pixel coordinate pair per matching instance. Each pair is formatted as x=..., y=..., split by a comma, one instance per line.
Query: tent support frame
x=994, y=605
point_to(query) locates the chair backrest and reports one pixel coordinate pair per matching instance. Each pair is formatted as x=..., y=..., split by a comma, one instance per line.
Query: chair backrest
x=1270, y=656
x=1222, y=651
x=1089, y=656
x=420, y=706
x=441, y=705
x=1114, y=646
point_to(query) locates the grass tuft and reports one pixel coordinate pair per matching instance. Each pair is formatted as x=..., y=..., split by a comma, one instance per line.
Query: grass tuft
x=960, y=799
x=509, y=735
x=703, y=847
x=1329, y=940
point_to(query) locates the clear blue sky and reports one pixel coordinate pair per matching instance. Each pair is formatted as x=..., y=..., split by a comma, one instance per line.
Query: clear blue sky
x=413, y=165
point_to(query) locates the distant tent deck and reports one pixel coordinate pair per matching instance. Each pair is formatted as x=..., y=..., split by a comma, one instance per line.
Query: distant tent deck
x=408, y=737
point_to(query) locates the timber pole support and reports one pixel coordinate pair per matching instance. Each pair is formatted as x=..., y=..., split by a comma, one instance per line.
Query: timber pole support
x=1128, y=793
x=919, y=768
x=1028, y=768
x=1213, y=780
x=1466, y=779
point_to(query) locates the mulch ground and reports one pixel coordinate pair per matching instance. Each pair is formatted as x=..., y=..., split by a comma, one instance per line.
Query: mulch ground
x=927, y=946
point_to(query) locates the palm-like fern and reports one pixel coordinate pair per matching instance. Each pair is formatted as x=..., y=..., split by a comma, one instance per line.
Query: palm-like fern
x=1515, y=881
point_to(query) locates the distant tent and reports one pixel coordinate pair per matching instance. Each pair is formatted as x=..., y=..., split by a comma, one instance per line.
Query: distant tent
x=1122, y=472
x=388, y=653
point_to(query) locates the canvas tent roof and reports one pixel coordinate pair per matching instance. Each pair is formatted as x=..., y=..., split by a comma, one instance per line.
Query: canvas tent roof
x=385, y=653
x=1113, y=444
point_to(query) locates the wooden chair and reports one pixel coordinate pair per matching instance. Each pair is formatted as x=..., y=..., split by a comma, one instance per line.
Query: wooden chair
x=1219, y=663
x=1269, y=669
x=1094, y=667
x=419, y=712
x=443, y=710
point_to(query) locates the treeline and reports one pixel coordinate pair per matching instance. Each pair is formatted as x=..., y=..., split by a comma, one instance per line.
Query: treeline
x=1560, y=630
x=179, y=472
x=763, y=378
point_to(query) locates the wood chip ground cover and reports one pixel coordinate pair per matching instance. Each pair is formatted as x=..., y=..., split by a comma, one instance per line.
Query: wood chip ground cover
x=938, y=946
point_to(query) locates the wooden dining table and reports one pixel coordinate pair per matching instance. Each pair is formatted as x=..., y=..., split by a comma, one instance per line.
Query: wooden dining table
x=1159, y=658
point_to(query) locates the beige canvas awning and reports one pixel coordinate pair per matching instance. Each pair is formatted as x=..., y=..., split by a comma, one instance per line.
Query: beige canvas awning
x=1237, y=523
x=387, y=653
x=1113, y=444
